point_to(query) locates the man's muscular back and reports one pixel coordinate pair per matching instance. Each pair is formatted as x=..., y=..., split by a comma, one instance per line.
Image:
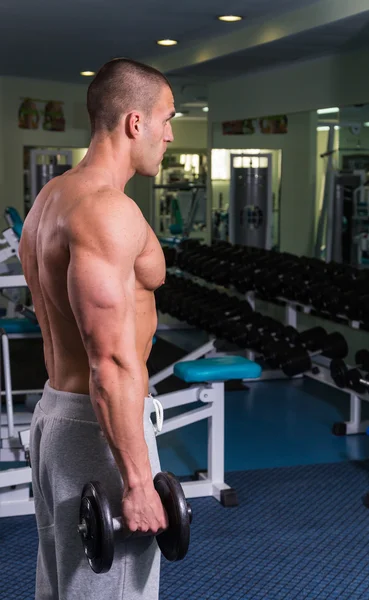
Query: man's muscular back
x=92, y=263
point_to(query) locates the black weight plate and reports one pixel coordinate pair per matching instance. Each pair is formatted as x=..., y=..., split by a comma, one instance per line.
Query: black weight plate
x=353, y=381
x=291, y=334
x=313, y=338
x=297, y=362
x=175, y=540
x=362, y=358
x=335, y=346
x=338, y=371
x=274, y=353
x=98, y=540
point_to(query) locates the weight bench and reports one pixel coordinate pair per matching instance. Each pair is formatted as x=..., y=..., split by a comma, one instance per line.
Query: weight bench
x=208, y=349
x=208, y=376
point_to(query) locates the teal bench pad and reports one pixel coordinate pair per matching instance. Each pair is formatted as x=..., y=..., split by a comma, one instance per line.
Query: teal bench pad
x=19, y=326
x=220, y=368
x=16, y=220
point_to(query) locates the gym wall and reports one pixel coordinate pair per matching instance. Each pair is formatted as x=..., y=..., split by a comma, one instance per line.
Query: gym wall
x=303, y=86
x=189, y=135
x=12, y=139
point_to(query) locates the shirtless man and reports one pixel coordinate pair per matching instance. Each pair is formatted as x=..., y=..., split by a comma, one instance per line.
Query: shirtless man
x=92, y=264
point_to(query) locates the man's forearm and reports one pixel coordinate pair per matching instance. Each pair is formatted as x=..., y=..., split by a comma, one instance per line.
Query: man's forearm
x=118, y=395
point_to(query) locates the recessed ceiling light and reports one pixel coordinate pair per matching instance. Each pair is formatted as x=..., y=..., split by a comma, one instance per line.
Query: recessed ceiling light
x=87, y=73
x=328, y=111
x=167, y=42
x=230, y=18
x=205, y=109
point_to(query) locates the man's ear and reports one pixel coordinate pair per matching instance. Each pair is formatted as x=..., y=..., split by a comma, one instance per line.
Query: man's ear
x=133, y=124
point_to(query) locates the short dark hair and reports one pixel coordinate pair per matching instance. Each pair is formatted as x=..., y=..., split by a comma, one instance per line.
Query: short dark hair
x=119, y=86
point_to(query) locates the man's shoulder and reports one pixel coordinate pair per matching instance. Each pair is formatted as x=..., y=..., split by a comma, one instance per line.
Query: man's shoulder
x=106, y=212
x=106, y=199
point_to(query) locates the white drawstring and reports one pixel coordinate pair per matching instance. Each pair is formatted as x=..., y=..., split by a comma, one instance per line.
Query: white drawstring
x=159, y=411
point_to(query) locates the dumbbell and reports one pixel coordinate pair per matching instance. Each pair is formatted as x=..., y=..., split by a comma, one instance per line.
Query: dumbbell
x=183, y=305
x=187, y=258
x=270, y=282
x=310, y=339
x=268, y=328
x=98, y=528
x=251, y=331
x=170, y=255
x=274, y=353
x=242, y=278
x=236, y=329
x=205, y=313
x=344, y=377
x=346, y=303
x=189, y=243
x=199, y=260
x=218, y=317
x=298, y=359
x=277, y=351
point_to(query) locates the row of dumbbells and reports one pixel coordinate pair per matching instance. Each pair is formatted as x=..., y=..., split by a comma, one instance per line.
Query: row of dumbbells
x=333, y=289
x=231, y=319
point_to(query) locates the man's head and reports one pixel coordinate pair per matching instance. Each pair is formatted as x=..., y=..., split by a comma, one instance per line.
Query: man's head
x=135, y=101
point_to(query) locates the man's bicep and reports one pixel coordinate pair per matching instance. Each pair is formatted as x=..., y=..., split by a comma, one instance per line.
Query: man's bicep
x=101, y=295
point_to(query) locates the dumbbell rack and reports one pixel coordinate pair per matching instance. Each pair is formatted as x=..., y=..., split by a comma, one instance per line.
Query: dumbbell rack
x=320, y=372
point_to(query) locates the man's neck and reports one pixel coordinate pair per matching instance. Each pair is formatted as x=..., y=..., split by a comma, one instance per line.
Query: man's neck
x=110, y=157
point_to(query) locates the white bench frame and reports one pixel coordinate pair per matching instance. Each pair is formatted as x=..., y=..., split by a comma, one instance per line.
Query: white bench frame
x=15, y=484
x=212, y=397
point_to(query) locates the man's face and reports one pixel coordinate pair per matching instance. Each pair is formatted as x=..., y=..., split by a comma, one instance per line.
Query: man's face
x=157, y=134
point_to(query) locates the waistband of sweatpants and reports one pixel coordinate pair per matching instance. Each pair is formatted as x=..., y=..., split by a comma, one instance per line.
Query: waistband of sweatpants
x=75, y=406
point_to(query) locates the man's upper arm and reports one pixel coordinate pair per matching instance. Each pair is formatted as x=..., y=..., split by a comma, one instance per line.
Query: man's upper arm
x=105, y=237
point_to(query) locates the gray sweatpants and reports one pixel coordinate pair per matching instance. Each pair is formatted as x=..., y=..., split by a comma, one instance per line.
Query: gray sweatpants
x=68, y=449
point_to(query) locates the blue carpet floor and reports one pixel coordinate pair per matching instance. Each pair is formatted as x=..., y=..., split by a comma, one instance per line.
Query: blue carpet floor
x=272, y=424
x=298, y=533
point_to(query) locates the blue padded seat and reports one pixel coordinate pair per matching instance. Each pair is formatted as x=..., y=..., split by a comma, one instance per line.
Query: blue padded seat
x=221, y=368
x=19, y=326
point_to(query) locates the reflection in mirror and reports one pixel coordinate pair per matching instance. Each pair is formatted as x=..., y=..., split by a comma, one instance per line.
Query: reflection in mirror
x=246, y=188
x=179, y=196
x=40, y=164
x=342, y=232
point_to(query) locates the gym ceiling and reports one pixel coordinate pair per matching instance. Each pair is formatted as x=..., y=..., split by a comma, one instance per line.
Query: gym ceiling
x=56, y=41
